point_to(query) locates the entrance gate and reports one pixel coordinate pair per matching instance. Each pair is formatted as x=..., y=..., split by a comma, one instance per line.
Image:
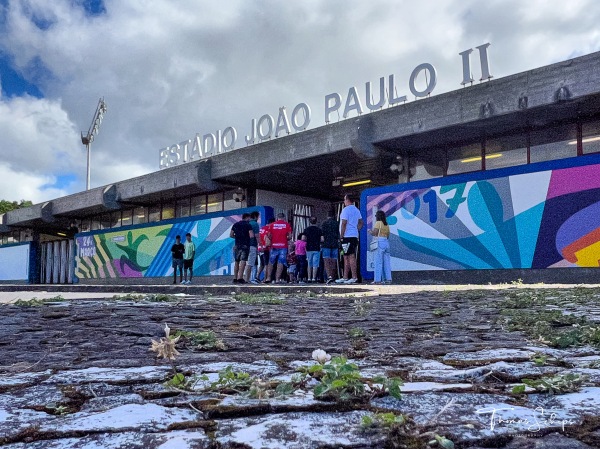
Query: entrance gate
x=56, y=262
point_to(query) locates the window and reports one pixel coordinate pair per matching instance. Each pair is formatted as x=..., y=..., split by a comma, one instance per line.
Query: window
x=229, y=203
x=95, y=223
x=432, y=167
x=214, y=203
x=105, y=221
x=140, y=215
x=86, y=225
x=198, y=205
x=153, y=214
x=115, y=219
x=558, y=142
x=590, y=133
x=126, y=217
x=464, y=159
x=168, y=211
x=183, y=208
x=506, y=151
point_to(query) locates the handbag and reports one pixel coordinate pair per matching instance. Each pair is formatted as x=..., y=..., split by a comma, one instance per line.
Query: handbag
x=374, y=244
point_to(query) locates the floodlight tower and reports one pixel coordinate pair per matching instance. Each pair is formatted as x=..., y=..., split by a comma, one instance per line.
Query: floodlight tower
x=93, y=131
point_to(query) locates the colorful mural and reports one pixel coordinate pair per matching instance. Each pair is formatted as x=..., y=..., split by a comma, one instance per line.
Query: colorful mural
x=145, y=251
x=537, y=219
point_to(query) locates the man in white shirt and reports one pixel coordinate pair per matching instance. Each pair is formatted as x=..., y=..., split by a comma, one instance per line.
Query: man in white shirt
x=350, y=223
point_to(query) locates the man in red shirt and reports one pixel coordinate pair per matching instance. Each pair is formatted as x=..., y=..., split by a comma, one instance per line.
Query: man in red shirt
x=279, y=233
x=264, y=250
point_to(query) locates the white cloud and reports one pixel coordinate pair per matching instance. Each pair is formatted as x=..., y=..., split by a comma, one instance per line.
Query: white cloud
x=168, y=72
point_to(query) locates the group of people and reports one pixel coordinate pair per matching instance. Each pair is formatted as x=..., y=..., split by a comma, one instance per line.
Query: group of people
x=271, y=249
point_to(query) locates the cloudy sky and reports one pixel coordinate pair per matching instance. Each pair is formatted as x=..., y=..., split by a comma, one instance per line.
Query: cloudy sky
x=171, y=69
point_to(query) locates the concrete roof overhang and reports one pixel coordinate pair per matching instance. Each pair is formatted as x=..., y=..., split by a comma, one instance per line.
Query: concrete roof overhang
x=358, y=148
x=364, y=147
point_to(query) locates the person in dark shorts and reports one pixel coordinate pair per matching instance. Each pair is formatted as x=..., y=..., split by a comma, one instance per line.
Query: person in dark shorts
x=242, y=233
x=250, y=274
x=330, y=244
x=177, y=251
x=350, y=223
x=313, y=236
x=188, y=258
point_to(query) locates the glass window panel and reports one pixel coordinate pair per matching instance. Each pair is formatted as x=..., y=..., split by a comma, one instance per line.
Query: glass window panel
x=168, y=211
x=115, y=219
x=464, y=159
x=10, y=238
x=105, y=221
x=214, y=203
x=433, y=167
x=590, y=137
x=558, y=142
x=183, y=208
x=198, y=205
x=140, y=215
x=126, y=217
x=506, y=151
x=229, y=203
x=86, y=225
x=153, y=214
x=95, y=223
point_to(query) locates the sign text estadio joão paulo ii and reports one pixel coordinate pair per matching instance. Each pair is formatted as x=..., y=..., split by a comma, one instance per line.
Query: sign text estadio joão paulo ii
x=266, y=127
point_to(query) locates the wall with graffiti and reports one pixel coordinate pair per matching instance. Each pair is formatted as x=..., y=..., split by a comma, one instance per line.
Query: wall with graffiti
x=145, y=250
x=541, y=215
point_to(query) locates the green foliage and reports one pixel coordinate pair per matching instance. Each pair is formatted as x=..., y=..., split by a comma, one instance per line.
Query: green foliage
x=553, y=327
x=539, y=359
x=444, y=442
x=6, y=206
x=362, y=307
x=258, y=298
x=340, y=381
x=158, y=297
x=231, y=381
x=177, y=381
x=519, y=389
x=204, y=340
x=440, y=312
x=382, y=385
x=356, y=332
x=559, y=384
x=36, y=302
x=386, y=421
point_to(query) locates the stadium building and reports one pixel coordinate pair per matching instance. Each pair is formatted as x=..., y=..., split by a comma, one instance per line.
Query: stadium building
x=496, y=181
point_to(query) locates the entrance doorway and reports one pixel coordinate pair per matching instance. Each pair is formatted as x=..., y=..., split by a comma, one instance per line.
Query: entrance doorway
x=56, y=261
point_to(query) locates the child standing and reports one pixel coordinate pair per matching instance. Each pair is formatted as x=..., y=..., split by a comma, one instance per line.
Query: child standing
x=291, y=263
x=301, y=258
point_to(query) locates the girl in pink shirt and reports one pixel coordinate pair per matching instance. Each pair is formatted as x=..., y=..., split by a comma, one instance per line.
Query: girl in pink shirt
x=301, y=262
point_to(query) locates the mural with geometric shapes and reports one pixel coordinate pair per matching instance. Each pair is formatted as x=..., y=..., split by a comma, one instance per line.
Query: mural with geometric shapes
x=542, y=219
x=145, y=250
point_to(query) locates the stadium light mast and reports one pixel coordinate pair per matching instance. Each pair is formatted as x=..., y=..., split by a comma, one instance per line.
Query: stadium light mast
x=93, y=131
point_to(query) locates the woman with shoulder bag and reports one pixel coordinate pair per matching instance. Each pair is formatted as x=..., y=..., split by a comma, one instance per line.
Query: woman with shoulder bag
x=381, y=234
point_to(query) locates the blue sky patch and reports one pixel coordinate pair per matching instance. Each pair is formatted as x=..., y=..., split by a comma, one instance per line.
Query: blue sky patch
x=62, y=182
x=13, y=84
x=93, y=7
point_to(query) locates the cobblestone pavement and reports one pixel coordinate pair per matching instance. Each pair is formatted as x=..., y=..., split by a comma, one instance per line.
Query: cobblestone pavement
x=77, y=371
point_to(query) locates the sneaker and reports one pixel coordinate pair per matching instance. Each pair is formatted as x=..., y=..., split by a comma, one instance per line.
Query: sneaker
x=235, y=281
x=376, y=283
x=183, y=282
x=241, y=281
x=188, y=282
x=341, y=281
x=301, y=282
x=314, y=280
x=351, y=281
x=329, y=280
x=254, y=281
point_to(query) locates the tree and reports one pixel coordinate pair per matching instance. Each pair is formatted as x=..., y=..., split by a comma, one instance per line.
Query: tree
x=5, y=205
